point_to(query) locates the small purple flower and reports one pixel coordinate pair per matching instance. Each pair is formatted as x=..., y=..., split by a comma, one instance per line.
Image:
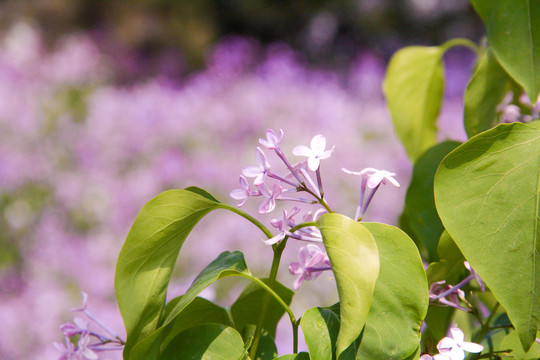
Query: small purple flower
x=476, y=276
x=312, y=261
x=450, y=299
x=269, y=204
x=272, y=140
x=83, y=348
x=258, y=172
x=315, y=153
x=243, y=193
x=283, y=225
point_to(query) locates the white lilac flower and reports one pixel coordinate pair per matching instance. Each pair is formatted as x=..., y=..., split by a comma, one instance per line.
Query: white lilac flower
x=272, y=140
x=454, y=347
x=375, y=176
x=258, y=172
x=315, y=153
x=312, y=261
x=371, y=178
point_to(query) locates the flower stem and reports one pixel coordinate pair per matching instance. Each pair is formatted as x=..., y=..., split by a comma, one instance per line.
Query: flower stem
x=485, y=327
x=278, y=251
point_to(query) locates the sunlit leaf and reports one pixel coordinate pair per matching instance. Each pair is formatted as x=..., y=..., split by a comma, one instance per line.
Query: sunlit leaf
x=513, y=31
x=413, y=87
x=355, y=263
x=320, y=327
x=145, y=263
x=487, y=194
x=400, y=299
x=486, y=89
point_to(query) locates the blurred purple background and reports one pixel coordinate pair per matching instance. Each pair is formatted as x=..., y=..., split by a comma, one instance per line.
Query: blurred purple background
x=82, y=150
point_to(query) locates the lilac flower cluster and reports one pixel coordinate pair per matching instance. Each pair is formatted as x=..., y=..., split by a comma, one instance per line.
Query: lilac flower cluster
x=299, y=179
x=79, y=329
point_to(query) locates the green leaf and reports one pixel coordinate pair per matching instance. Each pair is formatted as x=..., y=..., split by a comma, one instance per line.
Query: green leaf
x=400, y=299
x=487, y=194
x=419, y=201
x=450, y=266
x=145, y=263
x=226, y=264
x=199, y=311
x=247, y=309
x=320, y=327
x=513, y=31
x=355, y=263
x=511, y=341
x=299, y=356
x=486, y=89
x=205, y=342
x=266, y=350
x=413, y=87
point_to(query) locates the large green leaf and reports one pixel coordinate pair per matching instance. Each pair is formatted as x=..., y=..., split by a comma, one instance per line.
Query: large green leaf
x=247, y=309
x=145, y=263
x=413, y=87
x=419, y=202
x=320, y=327
x=355, y=263
x=205, y=342
x=513, y=31
x=487, y=194
x=400, y=299
x=486, y=89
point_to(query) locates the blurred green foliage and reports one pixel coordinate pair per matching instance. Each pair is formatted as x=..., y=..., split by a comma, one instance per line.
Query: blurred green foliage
x=326, y=31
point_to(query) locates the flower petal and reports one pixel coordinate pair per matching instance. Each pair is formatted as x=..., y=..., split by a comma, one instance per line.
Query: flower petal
x=313, y=163
x=458, y=335
x=302, y=150
x=446, y=343
x=318, y=144
x=472, y=347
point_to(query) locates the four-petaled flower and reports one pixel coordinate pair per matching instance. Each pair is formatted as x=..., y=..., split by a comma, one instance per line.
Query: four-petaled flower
x=243, y=193
x=454, y=348
x=283, y=225
x=269, y=204
x=314, y=154
x=312, y=261
x=258, y=172
x=375, y=176
x=272, y=140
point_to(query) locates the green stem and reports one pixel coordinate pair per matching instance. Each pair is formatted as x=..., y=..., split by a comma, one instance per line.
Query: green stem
x=248, y=217
x=295, y=337
x=485, y=327
x=278, y=250
x=460, y=42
